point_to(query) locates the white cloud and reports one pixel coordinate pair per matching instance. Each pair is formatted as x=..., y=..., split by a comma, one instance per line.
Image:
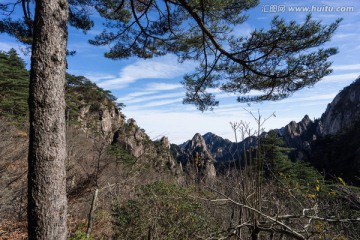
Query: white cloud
x=147, y=99
x=213, y=90
x=346, y=36
x=334, y=3
x=165, y=67
x=4, y=46
x=162, y=86
x=152, y=89
x=96, y=77
x=318, y=97
x=350, y=26
x=347, y=67
x=133, y=95
x=341, y=77
x=162, y=103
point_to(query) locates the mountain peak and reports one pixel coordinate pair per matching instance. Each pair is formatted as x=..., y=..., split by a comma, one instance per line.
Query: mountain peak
x=209, y=135
x=197, y=142
x=306, y=119
x=342, y=110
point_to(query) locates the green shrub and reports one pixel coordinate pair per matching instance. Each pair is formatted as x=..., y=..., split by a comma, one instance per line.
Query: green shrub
x=80, y=235
x=161, y=211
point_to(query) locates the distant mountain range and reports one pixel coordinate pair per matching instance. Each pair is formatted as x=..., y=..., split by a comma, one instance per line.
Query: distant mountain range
x=331, y=143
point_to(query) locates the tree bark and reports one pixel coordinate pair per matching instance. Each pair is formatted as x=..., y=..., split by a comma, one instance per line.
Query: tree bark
x=91, y=214
x=47, y=203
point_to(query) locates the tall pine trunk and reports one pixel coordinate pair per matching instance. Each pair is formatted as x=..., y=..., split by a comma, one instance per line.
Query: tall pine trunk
x=47, y=204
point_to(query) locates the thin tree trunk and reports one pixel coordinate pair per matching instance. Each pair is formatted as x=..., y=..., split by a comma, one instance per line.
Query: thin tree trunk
x=91, y=214
x=47, y=204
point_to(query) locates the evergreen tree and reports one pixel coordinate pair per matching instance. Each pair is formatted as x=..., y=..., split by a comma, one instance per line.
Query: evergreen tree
x=274, y=155
x=14, y=85
x=277, y=165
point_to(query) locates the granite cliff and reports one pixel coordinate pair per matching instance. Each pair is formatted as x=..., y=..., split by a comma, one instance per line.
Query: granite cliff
x=196, y=158
x=131, y=138
x=342, y=111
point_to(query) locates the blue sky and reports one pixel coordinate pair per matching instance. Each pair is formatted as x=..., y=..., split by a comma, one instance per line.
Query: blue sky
x=152, y=92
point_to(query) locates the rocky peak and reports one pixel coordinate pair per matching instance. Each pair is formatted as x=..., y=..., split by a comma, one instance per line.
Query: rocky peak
x=132, y=122
x=299, y=135
x=294, y=129
x=197, y=147
x=165, y=142
x=197, y=142
x=295, y=133
x=104, y=118
x=211, y=137
x=342, y=110
x=306, y=120
x=220, y=148
x=199, y=156
x=133, y=139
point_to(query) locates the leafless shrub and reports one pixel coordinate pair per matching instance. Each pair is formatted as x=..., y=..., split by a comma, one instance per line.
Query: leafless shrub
x=250, y=206
x=13, y=171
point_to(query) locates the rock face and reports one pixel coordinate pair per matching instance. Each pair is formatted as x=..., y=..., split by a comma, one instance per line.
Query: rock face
x=195, y=155
x=130, y=137
x=330, y=143
x=341, y=112
x=221, y=149
x=299, y=136
x=217, y=153
x=136, y=142
x=108, y=121
x=105, y=119
x=339, y=115
x=338, y=145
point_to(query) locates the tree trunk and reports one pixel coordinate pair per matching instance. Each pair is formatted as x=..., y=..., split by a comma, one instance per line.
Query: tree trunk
x=91, y=214
x=47, y=204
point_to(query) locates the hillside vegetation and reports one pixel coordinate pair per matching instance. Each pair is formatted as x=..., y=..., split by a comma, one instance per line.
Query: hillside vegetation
x=123, y=185
x=14, y=84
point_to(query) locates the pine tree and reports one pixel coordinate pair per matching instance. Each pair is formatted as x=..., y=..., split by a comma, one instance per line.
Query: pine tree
x=14, y=85
x=275, y=62
x=274, y=155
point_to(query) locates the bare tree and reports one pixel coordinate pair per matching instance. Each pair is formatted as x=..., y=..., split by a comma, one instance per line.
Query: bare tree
x=251, y=206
